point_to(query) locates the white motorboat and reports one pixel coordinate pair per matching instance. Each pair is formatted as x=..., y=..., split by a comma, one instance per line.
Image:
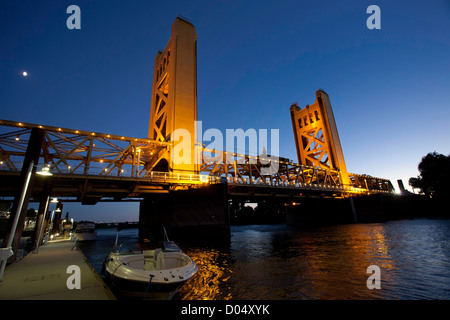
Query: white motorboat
x=85, y=231
x=160, y=270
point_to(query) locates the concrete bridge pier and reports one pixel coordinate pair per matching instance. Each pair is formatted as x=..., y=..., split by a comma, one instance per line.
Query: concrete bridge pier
x=361, y=209
x=193, y=214
x=319, y=211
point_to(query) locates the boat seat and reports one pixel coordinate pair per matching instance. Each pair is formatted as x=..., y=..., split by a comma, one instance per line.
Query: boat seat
x=160, y=262
x=149, y=264
x=154, y=261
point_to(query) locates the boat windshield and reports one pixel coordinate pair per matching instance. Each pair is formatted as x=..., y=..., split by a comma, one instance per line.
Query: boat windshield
x=170, y=246
x=122, y=248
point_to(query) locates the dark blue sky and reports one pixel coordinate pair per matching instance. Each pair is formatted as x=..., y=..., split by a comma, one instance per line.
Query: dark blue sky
x=389, y=88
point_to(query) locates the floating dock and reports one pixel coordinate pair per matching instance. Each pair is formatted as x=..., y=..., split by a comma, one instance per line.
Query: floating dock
x=44, y=276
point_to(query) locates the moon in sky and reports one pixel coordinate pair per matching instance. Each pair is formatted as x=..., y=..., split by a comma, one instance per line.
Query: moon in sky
x=24, y=73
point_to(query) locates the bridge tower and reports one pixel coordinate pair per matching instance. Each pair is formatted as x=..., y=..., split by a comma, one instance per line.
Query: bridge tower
x=173, y=115
x=174, y=100
x=316, y=136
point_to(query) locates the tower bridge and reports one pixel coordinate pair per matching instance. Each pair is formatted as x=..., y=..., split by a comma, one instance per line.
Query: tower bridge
x=88, y=166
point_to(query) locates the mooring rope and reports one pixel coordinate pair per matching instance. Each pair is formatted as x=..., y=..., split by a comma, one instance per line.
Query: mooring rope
x=148, y=286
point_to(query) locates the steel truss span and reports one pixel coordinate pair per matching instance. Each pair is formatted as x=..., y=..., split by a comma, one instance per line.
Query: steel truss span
x=104, y=166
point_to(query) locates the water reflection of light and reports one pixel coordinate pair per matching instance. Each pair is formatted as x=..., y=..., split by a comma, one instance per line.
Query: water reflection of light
x=212, y=277
x=338, y=257
x=381, y=247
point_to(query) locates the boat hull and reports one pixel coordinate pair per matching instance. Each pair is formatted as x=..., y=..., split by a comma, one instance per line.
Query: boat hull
x=131, y=272
x=136, y=288
x=85, y=231
x=86, y=236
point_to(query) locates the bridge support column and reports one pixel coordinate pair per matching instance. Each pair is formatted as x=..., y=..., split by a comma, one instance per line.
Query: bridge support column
x=186, y=215
x=32, y=154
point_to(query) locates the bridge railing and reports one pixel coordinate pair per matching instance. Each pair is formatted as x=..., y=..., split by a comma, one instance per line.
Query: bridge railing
x=310, y=185
x=99, y=171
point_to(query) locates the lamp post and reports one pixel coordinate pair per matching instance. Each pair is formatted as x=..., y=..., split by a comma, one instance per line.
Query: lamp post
x=38, y=239
x=45, y=171
x=53, y=215
x=50, y=222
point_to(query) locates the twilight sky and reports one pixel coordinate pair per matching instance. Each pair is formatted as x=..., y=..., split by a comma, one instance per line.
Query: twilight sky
x=389, y=88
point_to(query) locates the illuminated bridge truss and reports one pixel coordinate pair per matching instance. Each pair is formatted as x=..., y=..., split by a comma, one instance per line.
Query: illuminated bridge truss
x=92, y=166
x=69, y=151
x=241, y=169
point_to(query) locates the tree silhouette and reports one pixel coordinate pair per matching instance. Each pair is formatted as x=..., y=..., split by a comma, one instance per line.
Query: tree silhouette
x=434, y=177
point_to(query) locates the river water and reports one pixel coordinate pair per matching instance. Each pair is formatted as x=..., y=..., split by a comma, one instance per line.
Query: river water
x=280, y=262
